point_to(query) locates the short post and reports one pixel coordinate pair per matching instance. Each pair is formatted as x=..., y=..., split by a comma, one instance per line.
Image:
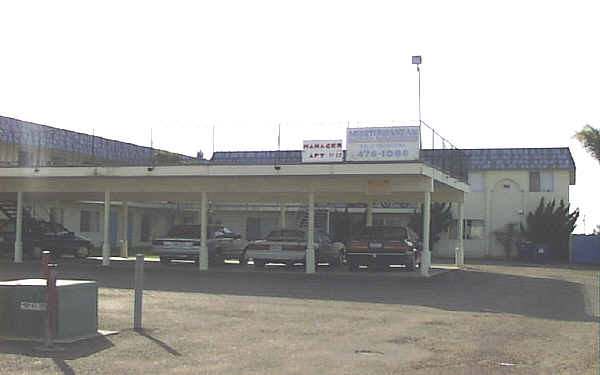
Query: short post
x=51, y=314
x=139, y=290
x=44, y=267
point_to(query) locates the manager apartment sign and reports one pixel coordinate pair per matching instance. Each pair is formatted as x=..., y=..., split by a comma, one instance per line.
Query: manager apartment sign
x=383, y=144
x=322, y=151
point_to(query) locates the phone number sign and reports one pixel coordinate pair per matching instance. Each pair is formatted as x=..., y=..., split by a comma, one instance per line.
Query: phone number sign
x=383, y=144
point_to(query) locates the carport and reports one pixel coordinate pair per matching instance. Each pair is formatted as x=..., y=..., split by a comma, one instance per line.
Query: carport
x=355, y=182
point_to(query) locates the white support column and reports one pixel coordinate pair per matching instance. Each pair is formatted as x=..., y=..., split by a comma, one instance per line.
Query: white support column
x=310, y=264
x=125, y=226
x=19, y=234
x=203, y=263
x=370, y=214
x=106, y=244
x=282, y=213
x=426, y=254
x=460, y=250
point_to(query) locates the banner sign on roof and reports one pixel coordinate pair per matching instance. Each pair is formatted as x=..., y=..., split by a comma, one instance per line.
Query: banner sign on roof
x=322, y=151
x=383, y=144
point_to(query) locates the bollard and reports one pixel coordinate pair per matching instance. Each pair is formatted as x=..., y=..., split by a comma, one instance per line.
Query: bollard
x=51, y=314
x=139, y=289
x=44, y=267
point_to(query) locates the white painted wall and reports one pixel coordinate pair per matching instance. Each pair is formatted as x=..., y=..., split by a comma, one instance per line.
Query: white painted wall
x=506, y=198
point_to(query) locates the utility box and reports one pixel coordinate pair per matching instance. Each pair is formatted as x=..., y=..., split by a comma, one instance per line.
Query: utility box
x=23, y=306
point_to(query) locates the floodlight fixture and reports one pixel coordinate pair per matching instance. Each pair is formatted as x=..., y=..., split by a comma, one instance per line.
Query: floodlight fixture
x=416, y=60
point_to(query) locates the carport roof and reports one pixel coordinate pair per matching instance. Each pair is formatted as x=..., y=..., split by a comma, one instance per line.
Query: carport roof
x=333, y=182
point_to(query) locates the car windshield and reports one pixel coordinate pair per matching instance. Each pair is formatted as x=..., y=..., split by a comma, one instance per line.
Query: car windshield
x=382, y=233
x=286, y=235
x=194, y=231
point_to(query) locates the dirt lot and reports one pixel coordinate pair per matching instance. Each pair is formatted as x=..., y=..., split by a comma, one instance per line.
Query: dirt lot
x=486, y=319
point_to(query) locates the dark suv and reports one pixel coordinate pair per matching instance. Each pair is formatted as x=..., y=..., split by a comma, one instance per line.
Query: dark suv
x=381, y=246
x=39, y=235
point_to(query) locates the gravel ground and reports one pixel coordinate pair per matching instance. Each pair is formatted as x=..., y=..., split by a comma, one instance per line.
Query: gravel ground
x=489, y=318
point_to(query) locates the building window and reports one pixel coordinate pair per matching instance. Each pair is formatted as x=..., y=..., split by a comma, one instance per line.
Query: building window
x=56, y=215
x=145, y=230
x=476, y=182
x=474, y=229
x=541, y=181
x=90, y=221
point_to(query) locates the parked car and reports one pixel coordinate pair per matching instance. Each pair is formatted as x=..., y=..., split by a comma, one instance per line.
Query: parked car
x=39, y=235
x=289, y=246
x=182, y=242
x=382, y=246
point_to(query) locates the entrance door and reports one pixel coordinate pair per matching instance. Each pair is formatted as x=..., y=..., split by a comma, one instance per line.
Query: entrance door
x=506, y=207
x=113, y=228
x=253, y=228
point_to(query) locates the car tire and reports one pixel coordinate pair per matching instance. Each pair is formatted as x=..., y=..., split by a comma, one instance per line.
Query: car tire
x=165, y=260
x=82, y=252
x=259, y=263
x=340, y=259
x=242, y=258
x=352, y=266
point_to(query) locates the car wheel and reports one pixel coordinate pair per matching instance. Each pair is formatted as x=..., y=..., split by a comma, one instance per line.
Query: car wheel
x=340, y=259
x=165, y=260
x=82, y=252
x=259, y=263
x=352, y=266
x=242, y=258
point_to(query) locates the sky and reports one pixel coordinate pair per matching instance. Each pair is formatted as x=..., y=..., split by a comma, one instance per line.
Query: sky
x=494, y=74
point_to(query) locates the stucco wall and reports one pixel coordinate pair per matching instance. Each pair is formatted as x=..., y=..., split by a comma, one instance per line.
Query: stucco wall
x=506, y=199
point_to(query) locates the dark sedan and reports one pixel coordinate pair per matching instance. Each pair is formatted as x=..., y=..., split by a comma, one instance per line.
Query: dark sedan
x=39, y=235
x=382, y=246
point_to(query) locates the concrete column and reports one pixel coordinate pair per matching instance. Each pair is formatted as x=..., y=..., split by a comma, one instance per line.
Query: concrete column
x=426, y=254
x=19, y=234
x=125, y=226
x=460, y=256
x=328, y=224
x=203, y=264
x=488, y=221
x=310, y=264
x=370, y=214
x=282, y=223
x=106, y=243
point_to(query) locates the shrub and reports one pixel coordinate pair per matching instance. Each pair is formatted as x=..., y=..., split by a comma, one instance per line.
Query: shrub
x=551, y=225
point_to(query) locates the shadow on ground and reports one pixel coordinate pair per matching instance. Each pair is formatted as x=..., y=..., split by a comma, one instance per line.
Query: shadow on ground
x=67, y=352
x=461, y=290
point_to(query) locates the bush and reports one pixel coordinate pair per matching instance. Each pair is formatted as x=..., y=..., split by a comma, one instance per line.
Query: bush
x=551, y=226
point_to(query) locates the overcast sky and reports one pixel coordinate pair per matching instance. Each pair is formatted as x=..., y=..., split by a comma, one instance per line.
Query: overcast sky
x=502, y=74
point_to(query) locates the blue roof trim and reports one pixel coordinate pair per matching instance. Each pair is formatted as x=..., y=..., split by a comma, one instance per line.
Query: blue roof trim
x=476, y=159
x=36, y=135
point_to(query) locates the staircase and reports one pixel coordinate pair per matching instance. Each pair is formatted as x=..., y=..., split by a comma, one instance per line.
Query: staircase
x=8, y=210
x=320, y=219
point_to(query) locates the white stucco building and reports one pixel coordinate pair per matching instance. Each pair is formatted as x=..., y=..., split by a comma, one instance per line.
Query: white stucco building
x=504, y=184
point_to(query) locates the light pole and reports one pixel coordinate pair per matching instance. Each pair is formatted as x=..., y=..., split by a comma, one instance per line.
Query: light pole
x=416, y=60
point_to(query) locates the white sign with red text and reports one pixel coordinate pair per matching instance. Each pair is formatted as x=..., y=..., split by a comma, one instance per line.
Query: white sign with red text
x=322, y=151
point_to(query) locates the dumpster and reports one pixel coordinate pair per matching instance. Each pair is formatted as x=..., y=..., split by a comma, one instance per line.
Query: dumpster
x=23, y=305
x=527, y=251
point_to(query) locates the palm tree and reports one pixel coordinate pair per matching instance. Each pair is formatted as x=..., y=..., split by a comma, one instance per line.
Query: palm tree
x=590, y=140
